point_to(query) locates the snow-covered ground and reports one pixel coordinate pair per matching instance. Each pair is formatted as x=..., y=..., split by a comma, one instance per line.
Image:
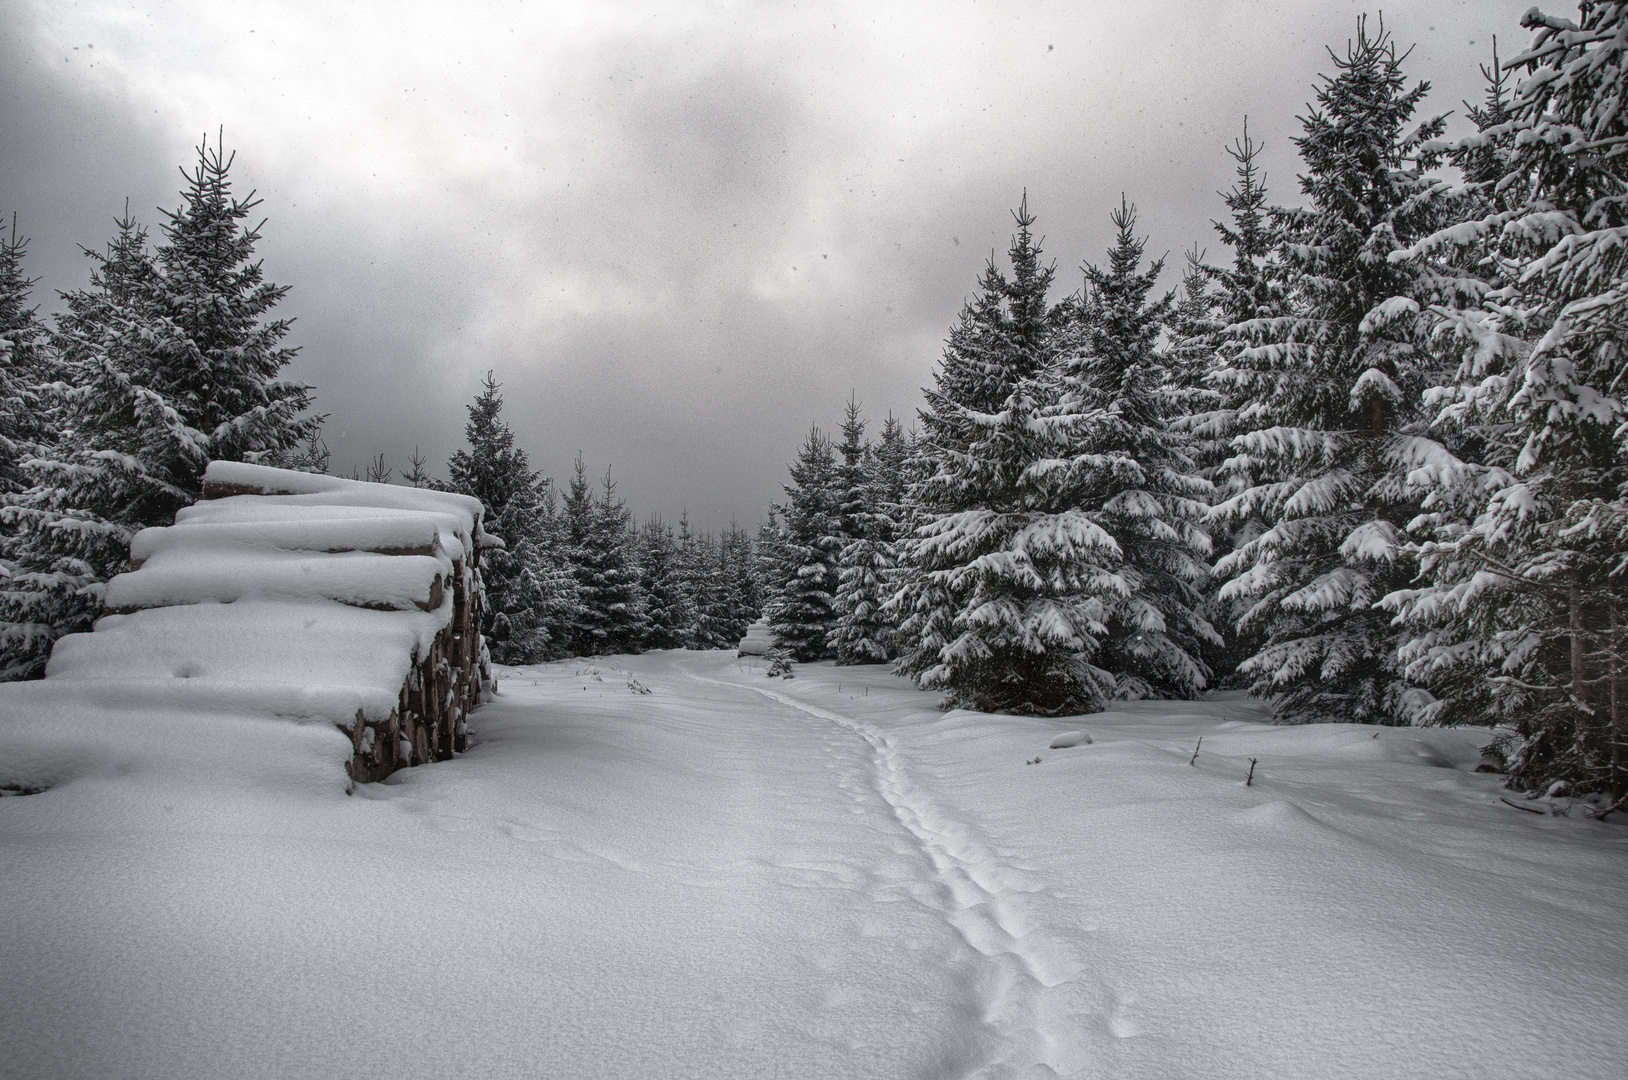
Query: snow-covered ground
x=732, y=876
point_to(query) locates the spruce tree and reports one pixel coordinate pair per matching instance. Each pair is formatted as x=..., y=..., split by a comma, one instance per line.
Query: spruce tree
x=1134, y=475
x=220, y=353
x=742, y=593
x=1524, y=494
x=723, y=581
x=516, y=576
x=1335, y=385
x=802, y=615
x=610, y=615
x=860, y=633
x=1005, y=335
x=1029, y=577
x=669, y=612
x=769, y=560
x=28, y=623
x=703, y=587
x=1251, y=294
x=168, y=361
x=23, y=364
x=107, y=472
x=1010, y=583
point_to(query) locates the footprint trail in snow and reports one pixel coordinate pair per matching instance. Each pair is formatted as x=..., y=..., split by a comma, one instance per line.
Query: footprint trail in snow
x=980, y=896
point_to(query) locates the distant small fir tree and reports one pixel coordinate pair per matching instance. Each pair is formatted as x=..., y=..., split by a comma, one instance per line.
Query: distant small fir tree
x=515, y=576
x=669, y=613
x=417, y=476
x=802, y=615
x=610, y=615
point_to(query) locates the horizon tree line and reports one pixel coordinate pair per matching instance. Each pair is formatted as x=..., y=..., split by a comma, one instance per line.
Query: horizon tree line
x=1374, y=467
x=172, y=357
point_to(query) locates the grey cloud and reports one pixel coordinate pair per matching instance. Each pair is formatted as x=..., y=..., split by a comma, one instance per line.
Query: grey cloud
x=613, y=287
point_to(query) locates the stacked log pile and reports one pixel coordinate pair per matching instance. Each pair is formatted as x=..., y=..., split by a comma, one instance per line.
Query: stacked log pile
x=304, y=597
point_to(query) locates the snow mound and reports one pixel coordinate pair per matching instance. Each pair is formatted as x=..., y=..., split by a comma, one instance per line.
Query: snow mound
x=758, y=640
x=1066, y=739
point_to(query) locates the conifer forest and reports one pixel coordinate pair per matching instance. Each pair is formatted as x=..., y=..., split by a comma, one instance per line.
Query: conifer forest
x=1368, y=465
x=921, y=556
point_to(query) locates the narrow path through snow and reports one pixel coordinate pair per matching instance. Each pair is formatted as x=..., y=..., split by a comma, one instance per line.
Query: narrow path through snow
x=737, y=878
x=970, y=887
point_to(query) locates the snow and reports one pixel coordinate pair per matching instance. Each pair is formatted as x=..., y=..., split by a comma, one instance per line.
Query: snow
x=733, y=876
x=311, y=604
x=308, y=529
x=183, y=576
x=1066, y=739
x=759, y=639
x=268, y=657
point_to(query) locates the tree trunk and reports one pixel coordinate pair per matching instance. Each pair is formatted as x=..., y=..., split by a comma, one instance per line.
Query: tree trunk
x=1617, y=779
x=1579, y=649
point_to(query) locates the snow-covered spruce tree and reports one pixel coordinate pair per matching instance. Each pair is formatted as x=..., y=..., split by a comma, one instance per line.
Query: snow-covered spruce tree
x=1011, y=582
x=1249, y=292
x=215, y=340
x=859, y=635
x=864, y=633
x=26, y=626
x=1458, y=644
x=1004, y=335
x=802, y=615
x=1193, y=328
x=1134, y=475
x=769, y=560
x=743, y=590
x=516, y=576
x=563, y=611
x=669, y=612
x=1524, y=576
x=169, y=360
x=1031, y=579
x=724, y=573
x=703, y=587
x=1335, y=384
x=103, y=475
x=610, y=614
x=23, y=364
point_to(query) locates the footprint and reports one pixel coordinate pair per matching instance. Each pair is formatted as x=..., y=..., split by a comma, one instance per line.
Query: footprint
x=1121, y=1024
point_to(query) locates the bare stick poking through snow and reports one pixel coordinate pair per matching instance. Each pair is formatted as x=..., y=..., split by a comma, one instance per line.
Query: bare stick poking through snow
x=1599, y=815
x=1193, y=761
x=1248, y=780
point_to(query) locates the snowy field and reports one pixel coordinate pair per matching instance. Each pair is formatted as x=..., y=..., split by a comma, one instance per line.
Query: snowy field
x=732, y=876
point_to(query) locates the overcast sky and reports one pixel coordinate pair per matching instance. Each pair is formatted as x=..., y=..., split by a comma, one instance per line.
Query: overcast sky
x=677, y=232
